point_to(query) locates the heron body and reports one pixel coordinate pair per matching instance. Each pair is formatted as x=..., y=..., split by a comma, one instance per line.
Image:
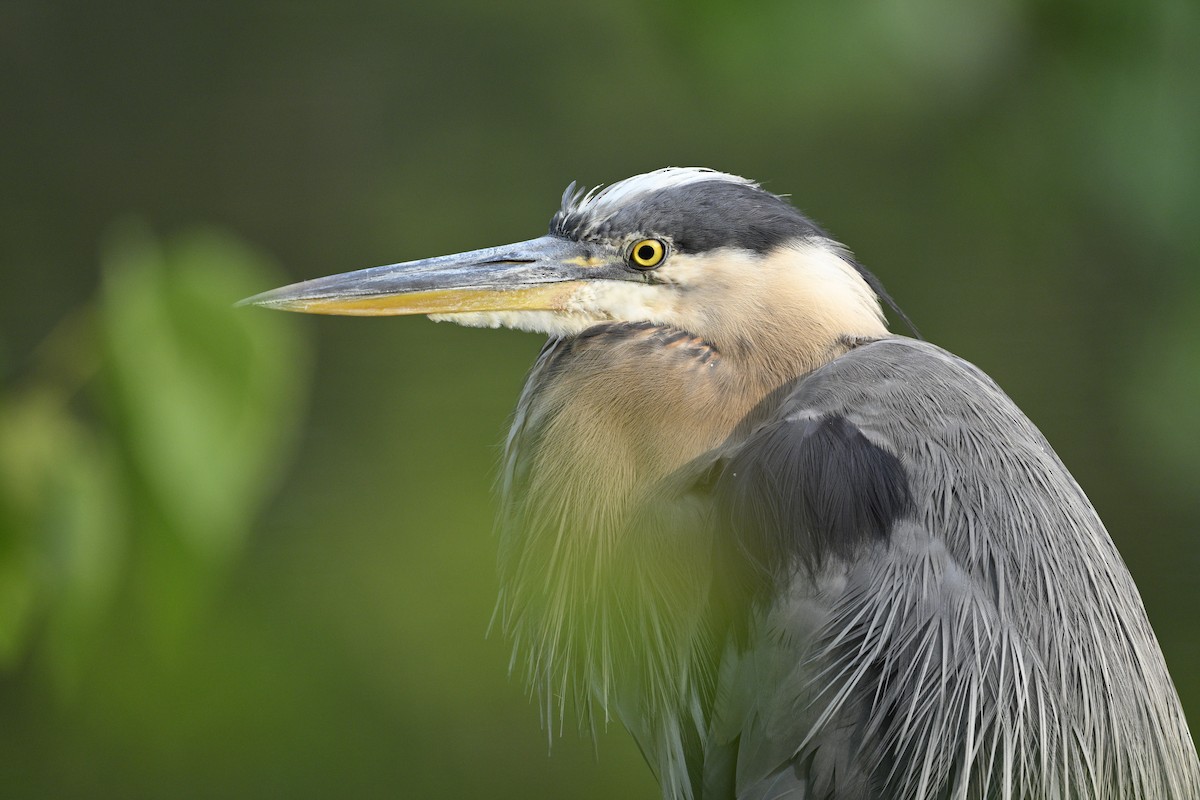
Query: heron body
x=796, y=555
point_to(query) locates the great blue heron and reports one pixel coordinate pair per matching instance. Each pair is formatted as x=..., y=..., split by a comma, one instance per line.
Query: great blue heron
x=797, y=556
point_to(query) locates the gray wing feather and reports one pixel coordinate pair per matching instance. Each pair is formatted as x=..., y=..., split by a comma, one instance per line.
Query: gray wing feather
x=993, y=645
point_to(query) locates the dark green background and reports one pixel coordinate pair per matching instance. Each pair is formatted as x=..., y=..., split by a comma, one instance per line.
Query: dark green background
x=1023, y=176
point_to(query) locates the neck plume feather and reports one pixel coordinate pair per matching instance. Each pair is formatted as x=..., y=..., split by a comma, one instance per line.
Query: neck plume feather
x=606, y=554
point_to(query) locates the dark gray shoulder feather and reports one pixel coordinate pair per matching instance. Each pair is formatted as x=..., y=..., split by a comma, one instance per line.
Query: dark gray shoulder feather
x=805, y=488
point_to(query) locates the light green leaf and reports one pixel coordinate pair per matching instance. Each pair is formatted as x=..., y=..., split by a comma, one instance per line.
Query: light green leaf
x=206, y=394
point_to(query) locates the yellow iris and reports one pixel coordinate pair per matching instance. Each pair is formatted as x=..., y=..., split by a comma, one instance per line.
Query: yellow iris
x=648, y=253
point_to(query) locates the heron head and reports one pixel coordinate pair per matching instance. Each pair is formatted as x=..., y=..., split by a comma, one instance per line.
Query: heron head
x=703, y=251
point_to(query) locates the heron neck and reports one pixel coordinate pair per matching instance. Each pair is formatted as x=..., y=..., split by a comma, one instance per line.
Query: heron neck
x=605, y=551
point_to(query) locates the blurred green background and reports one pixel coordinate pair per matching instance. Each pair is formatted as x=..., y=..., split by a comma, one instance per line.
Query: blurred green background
x=246, y=554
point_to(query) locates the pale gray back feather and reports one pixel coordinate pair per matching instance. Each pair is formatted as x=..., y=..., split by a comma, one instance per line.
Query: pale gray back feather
x=995, y=648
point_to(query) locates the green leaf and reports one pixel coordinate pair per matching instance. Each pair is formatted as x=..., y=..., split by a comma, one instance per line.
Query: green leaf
x=61, y=533
x=207, y=395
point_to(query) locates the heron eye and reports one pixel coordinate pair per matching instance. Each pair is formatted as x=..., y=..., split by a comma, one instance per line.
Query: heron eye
x=648, y=253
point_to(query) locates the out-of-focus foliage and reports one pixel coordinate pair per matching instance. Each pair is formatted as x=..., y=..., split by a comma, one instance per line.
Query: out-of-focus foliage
x=62, y=524
x=1161, y=394
x=1022, y=175
x=136, y=454
x=202, y=396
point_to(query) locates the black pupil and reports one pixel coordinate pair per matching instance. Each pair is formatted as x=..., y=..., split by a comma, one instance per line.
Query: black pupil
x=646, y=252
